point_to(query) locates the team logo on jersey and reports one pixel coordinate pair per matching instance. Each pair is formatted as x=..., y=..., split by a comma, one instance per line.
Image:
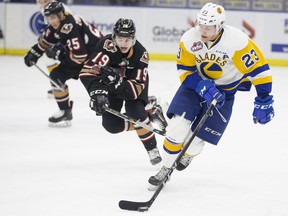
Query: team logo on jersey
x=109, y=46
x=145, y=58
x=37, y=23
x=66, y=28
x=211, y=70
x=197, y=46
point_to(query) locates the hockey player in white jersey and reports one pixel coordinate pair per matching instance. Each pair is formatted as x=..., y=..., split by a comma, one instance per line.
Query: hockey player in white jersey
x=214, y=61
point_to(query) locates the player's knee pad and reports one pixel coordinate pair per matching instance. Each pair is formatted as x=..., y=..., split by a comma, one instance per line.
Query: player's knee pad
x=177, y=130
x=112, y=128
x=196, y=146
x=113, y=125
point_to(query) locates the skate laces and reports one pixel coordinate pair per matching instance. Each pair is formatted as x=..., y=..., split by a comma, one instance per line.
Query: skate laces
x=186, y=160
x=162, y=173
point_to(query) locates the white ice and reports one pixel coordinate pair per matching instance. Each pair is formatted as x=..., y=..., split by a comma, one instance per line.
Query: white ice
x=85, y=171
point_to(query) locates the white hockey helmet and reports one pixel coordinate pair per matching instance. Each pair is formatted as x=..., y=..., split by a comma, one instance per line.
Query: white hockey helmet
x=212, y=14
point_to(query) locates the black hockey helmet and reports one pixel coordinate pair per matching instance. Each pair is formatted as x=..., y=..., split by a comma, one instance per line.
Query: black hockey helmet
x=124, y=28
x=53, y=7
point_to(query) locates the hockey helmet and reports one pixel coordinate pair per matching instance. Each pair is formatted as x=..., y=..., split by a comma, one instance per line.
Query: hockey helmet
x=124, y=28
x=212, y=14
x=54, y=7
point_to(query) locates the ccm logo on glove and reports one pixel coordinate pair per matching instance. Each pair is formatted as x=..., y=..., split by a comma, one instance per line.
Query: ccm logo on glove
x=263, y=107
x=98, y=91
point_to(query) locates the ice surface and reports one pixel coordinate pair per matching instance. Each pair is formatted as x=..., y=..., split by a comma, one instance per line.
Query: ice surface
x=84, y=171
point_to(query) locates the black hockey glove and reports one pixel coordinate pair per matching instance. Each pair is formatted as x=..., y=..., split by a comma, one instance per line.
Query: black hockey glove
x=57, y=52
x=32, y=56
x=99, y=99
x=111, y=77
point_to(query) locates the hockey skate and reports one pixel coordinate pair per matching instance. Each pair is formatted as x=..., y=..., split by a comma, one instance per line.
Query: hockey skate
x=62, y=118
x=155, y=113
x=154, y=156
x=157, y=179
x=184, y=162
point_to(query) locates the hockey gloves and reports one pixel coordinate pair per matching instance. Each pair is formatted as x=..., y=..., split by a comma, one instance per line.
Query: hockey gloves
x=111, y=78
x=57, y=52
x=99, y=100
x=207, y=90
x=263, y=110
x=32, y=56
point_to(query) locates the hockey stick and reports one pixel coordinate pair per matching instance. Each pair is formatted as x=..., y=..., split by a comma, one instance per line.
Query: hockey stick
x=61, y=88
x=95, y=69
x=144, y=206
x=134, y=121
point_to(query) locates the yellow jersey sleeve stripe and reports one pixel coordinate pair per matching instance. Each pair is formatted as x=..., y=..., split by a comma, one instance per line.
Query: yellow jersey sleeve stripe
x=262, y=80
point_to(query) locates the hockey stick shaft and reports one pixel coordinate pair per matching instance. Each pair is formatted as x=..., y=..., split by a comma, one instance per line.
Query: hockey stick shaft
x=144, y=206
x=134, y=121
x=61, y=88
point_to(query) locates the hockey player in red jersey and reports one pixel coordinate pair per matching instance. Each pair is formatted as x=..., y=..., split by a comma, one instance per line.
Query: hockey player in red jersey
x=71, y=40
x=214, y=61
x=116, y=76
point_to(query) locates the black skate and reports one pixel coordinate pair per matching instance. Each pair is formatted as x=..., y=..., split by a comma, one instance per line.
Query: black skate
x=184, y=162
x=154, y=156
x=156, y=180
x=155, y=113
x=62, y=118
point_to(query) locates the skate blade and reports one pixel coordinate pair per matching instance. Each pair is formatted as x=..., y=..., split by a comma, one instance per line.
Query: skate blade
x=152, y=187
x=61, y=124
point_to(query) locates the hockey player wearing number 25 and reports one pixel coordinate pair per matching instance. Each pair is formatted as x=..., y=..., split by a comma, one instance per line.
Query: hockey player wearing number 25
x=214, y=61
x=116, y=76
x=71, y=40
x=48, y=62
